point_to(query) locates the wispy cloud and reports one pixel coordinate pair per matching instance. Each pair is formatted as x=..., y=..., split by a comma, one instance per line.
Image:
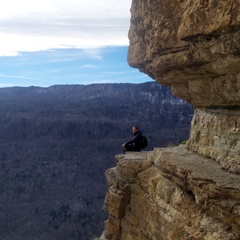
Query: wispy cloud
x=6, y=85
x=89, y=66
x=48, y=24
x=18, y=77
x=117, y=73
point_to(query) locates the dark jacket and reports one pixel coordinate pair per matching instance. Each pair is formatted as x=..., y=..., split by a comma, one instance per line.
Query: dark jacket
x=136, y=142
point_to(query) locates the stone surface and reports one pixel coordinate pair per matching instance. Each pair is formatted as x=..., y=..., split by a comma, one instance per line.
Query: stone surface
x=194, y=47
x=175, y=194
x=215, y=133
x=188, y=192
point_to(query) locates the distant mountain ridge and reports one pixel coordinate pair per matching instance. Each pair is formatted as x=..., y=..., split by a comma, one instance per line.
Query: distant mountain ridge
x=107, y=101
x=57, y=142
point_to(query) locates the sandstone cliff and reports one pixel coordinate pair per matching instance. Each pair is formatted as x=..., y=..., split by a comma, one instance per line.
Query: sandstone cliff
x=192, y=191
x=172, y=194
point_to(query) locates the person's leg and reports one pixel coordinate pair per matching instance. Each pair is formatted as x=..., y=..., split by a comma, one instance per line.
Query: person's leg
x=129, y=147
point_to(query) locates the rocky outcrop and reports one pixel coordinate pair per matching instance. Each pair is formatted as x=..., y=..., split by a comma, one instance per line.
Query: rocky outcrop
x=171, y=193
x=193, y=191
x=194, y=47
x=215, y=133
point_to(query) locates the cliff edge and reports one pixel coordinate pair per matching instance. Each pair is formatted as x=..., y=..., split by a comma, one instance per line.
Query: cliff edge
x=171, y=194
x=192, y=191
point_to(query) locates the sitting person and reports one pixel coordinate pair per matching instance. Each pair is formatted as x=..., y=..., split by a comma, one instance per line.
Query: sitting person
x=135, y=144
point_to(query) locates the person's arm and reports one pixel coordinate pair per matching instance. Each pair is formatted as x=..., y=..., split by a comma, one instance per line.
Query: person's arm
x=129, y=142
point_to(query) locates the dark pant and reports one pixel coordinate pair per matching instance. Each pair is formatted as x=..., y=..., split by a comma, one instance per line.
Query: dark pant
x=133, y=148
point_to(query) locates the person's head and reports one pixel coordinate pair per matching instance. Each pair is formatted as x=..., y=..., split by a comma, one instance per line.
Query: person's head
x=134, y=129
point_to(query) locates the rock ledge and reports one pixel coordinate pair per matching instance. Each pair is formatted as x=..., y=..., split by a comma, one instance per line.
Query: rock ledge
x=171, y=193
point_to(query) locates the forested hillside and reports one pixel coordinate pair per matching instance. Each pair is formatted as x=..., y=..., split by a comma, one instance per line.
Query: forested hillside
x=57, y=142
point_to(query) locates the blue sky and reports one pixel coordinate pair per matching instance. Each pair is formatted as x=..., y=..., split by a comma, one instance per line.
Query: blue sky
x=51, y=42
x=69, y=66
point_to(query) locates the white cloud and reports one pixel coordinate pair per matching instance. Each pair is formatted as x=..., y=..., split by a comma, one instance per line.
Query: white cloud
x=89, y=66
x=6, y=85
x=18, y=77
x=33, y=25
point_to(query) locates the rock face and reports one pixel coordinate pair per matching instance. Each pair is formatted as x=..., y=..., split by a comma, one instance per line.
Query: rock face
x=215, y=133
x=188, y=192
x=194, y=47
x=171, y=194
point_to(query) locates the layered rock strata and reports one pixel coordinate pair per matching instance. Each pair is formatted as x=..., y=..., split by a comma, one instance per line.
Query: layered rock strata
x=215, y=133
x=171, y=193
x=188, y=192
x=194, y=47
